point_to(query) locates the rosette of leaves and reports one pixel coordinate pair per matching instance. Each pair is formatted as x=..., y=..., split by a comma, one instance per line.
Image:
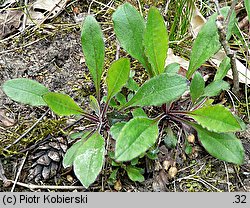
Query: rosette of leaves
x=147, y=42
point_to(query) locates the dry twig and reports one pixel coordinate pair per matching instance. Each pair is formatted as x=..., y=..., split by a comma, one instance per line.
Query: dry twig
x=19, y=172
x=33, y=186
x=18, y=139
x=222, y=25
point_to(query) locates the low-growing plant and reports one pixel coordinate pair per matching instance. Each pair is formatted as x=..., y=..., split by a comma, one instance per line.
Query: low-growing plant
x=135, y=135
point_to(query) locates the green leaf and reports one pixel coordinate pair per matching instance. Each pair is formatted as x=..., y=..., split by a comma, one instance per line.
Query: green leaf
x=247, y=5
x=172, y=68
x=223, y=69
x=129, y=28
x=112, y=178
x=153, y=154
x=115, y=116
x=25, y=91
x=94, y=104
x=132, y=84
x=62, y=104
x=139, y=112
x=93, y=49
x=224, y=146
x=242, y=124
x=112, y=102
x=79, y=135
x=135, y=161
x=215, y=87
x=136, y=137
x=71, y=154
x=197, y=87
x=89, y=160
x=116, y=129
x=160, y=89
x=134, y=173
x=188, y=148
x=156, y=41
x=216, y=118
x=121, y=98
x=207, y=41
x=170, y=139
x=117, y=77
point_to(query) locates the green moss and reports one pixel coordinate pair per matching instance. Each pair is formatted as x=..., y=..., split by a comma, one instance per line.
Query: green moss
x=39, y=132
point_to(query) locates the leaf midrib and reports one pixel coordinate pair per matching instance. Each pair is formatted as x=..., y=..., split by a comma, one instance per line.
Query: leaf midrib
x=78, y=109
x=221, y=143
x=158, y=92
x=205, y=116
x=148, y=127
x=120, y=72
x=27, y=91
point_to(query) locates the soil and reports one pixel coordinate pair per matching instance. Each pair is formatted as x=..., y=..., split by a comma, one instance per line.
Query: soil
x=52, y=55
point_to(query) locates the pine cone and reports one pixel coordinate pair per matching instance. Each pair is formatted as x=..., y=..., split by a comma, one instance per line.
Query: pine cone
x=47, y=159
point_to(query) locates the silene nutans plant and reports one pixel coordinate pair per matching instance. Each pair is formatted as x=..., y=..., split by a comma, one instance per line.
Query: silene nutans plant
x=123, y=118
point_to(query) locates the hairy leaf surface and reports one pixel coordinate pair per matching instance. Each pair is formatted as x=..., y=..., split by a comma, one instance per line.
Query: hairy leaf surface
x=129, y=28
x=215, y=87
x=156, y=41
x=197, y=86
x=136, y=137
x=117, y=77
x=62, y=104
x=160, y=89
x=134, y=173
x=224, y=146
x=93, y=48
x=89, y=160
x=207, y=42
x=25, y=91
x=216, y=118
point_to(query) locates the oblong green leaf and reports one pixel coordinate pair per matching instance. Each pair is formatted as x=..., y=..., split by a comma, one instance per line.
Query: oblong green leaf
x=224, y=146
x=62, y=104
x=132, y=84
x=215, y=87
x=116, y=129
x=160, y=89
x=129, y=28
x=207, y=41
x=93, y=102
x=247, y=6
x=156, y=41
x=139, y=112
x=79, y=135
x=117, y=76
x=134, y=173
x=93, y=48
x=172, y=68
x=71, y=154
x=170, y=138
x=89, y=160
x=121, y=98
x=223, y=69
x=137, y=136
x=25, y=91
x=197, y=86
x=216, y=118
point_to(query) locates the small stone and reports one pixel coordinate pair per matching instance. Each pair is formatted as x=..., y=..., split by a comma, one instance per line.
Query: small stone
x=172, y=172
x=191, y=138
x=118, y=185
x=166, y=164
x=70, y=178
